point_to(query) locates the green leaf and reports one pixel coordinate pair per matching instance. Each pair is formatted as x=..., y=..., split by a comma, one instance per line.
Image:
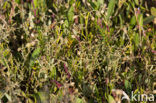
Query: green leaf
x=30, y=101
x=111, y=7
x=93, y=4
x=111, y=99
x=140, y=20
x=36, y=53
x=17, y=1
x=71, y=14
x=99, y=3
x=66, y=24
x=137, y=2
x=53, y=72
x=71, y=2
x=43, y=96
x=148, y=19
x=127, y=85
x=133, y=21
x=35, y=3
x=121, y=21
x=121, y=40
x=78, y=100
x=136, y=39
x=153, y=11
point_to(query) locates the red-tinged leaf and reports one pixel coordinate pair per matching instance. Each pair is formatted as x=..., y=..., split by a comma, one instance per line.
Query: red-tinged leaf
x=66, y=70
x=153, y=51
x=57, y=83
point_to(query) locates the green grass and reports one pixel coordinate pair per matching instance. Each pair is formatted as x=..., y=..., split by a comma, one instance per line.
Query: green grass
x=76, y=51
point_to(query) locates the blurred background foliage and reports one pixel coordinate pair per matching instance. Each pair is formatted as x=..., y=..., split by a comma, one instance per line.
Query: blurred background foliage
x=76, y=51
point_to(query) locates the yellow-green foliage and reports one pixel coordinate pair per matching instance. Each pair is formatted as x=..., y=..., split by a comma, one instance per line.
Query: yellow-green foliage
x=76, y=51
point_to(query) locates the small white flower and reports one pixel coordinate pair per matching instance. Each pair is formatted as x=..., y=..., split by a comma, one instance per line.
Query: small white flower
x=92, y=18
x=73, y=36
x=32, y=35
x=79, y=53
x=102, y=11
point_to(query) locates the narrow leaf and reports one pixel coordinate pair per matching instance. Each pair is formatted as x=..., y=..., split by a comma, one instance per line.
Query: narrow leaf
x=133, y=21
x=136, y=39
x=71, y=14
x=111, y=7
x=148, y=19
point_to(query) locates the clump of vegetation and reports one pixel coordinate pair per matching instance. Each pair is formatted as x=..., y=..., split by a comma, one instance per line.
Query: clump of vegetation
x=76, y=51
